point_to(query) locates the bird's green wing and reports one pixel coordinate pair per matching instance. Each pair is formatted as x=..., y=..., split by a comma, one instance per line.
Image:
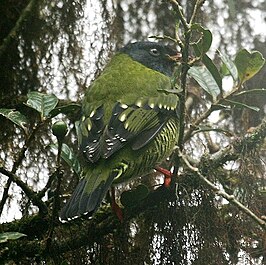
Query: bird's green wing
x=90, y=130
x=135, y=124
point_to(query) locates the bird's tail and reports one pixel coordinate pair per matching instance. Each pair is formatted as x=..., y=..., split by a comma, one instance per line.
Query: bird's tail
x=90, y=192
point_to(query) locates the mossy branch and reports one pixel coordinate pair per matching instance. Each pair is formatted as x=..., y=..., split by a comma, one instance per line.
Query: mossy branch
x=104, y=221
x=77, y=233
x=13, y=178
x=27, y=190
x=13, y=34
x=231, y=152
x=230, y=198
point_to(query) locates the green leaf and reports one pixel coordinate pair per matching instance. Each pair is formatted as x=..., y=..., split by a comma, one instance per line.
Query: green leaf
x=241, y=105
x=66, y=109
x=69, y=157
x=43, y=103
x=200, y=49
x=231, y=67
x=248, y=64
x=16, y=117
x=205, y=79
x=251, y=91
x=224, y=70
x=213, y=70
x=205, y=41
x=4, y=237
x=210, y=66
x=134, y=196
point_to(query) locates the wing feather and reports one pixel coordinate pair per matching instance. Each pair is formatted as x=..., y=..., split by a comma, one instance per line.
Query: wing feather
x=135, y=124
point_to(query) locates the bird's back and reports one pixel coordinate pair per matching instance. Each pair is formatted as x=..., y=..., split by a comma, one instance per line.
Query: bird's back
x=123, y=80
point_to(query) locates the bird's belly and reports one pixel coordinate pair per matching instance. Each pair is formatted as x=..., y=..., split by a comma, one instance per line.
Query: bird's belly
x=143, y=161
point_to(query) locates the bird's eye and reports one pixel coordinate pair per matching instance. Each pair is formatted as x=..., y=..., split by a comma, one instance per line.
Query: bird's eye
x=154, y=52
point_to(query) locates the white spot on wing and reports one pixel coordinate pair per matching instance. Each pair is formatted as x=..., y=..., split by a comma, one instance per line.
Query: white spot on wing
x=138, y=103
x=152, y=105
x=123, y=106
x=122, y=117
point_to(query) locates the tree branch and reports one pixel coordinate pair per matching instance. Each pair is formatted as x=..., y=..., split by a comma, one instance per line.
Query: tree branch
x=183, y=77
x=16, y=164
x=178, y=9
x=29, y=192
x=240, y=146
x=56, y=198
x=232, y=152
x=104, y=221
x=195, y=124
x=27, y=11
x=197, y=5
x=84, y=232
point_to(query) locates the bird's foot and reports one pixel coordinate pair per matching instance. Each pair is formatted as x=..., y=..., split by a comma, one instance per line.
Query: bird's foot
x=116, y=208
x=167, y=176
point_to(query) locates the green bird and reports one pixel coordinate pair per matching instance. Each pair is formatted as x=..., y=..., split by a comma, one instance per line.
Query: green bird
x=129, y=124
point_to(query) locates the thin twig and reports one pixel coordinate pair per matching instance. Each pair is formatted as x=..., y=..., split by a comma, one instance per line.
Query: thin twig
x=197, y=5
x=177, y=7
x=230, y=198
x=164, y=37
x=56, y=200
x=206, y=114
x=51, y=178
x=16, y=164
x=29, y=192
x=183, y=77
x=195, y=124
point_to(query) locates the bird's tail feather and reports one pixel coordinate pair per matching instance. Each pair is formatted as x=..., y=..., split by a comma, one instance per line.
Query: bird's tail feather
x=89, y=193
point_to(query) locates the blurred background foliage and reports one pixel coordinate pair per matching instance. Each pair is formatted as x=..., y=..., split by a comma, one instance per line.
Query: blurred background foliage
x=59, y=47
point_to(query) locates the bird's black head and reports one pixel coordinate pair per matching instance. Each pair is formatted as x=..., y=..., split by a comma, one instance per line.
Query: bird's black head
x=154, y=55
